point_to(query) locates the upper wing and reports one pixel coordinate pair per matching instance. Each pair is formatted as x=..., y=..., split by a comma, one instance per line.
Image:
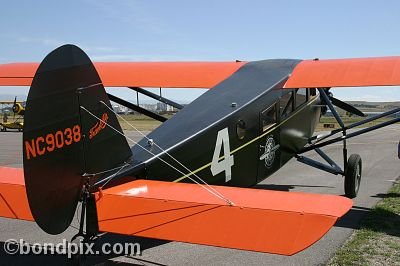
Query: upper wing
x=356, y=72
x=137, y=74
x=377, y=71
x=261, y=220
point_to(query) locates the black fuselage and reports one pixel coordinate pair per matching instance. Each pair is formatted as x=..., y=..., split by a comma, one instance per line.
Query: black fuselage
x=263, y=125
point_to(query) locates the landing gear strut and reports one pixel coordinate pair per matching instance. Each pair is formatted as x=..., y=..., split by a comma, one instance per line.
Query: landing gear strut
x=352, y=166
x=88, y=219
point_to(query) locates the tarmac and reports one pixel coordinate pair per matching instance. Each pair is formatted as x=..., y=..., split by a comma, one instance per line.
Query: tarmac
x=381, y=167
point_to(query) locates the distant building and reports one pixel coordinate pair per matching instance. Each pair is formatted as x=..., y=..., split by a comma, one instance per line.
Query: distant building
x=163, y=107
x=119, y=109
x=154, y=107
x=150, y=107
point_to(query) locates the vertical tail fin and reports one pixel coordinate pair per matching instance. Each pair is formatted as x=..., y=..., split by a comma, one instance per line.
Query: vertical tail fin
x=63, y=137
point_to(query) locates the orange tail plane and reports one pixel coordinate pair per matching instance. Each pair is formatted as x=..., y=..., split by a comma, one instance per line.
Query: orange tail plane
x=260, y=220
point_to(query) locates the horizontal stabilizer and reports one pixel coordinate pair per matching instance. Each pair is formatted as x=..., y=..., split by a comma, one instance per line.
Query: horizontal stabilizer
x=13, y=199
x=260, y=220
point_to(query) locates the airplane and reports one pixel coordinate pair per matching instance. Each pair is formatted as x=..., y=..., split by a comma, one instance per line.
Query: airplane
x=17, y=109
x=190, y=179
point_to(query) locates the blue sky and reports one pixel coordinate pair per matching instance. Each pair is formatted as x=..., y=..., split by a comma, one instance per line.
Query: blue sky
x=128, y=30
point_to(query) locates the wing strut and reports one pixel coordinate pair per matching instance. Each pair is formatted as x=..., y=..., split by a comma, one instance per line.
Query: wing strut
x=339, y=120
x=137, y=108
x=352, y=166
x=353, y=134
x=157, y=97
x=332, y=168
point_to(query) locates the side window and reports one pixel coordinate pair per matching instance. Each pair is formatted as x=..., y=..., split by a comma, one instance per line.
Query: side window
x=301, y=97
x=286, y=104
x=313, y=91
x=268, y=117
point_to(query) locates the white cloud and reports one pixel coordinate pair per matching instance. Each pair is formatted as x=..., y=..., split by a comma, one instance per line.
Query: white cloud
x=41, y=41
x=56, y=43
x=134, y=14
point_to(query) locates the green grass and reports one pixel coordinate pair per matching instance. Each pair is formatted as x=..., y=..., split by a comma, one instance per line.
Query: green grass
x=347, y=121
x=145, y=123
x=377, y=242
x=141, y=122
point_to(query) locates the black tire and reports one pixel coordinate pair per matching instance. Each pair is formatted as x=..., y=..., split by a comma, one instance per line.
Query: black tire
x=352, y=179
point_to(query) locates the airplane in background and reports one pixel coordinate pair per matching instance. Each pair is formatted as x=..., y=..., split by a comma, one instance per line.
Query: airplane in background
x=17, y=109
x=190, y=179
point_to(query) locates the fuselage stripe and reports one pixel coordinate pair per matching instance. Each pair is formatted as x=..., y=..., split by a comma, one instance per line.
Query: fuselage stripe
x=250, y=141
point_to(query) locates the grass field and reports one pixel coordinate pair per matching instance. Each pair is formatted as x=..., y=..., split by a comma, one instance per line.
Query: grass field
x=377, y=242
x=141, y=122
x=144, y=123
x=347, y=121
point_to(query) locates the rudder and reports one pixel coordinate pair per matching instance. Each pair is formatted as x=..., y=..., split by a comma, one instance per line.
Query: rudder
x=62, y=140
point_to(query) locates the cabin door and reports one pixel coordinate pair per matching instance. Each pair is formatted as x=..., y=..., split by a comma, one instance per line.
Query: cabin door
x=269, y=143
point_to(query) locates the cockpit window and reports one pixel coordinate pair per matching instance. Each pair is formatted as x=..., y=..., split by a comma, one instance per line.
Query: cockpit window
x=286, y=104
x=301, y=97
x=268, y=117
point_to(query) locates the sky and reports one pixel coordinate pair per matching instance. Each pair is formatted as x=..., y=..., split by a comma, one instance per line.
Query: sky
x=225, y=30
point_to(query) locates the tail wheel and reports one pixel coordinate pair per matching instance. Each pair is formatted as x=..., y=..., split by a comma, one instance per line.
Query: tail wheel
x=352, y=177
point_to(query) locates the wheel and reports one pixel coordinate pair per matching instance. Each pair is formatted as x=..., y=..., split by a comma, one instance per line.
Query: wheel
x=352, y=177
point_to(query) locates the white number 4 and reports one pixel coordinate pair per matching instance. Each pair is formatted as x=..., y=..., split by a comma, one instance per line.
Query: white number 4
x=227, y=162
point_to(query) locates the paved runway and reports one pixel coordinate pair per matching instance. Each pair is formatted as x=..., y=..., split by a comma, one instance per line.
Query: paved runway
x=380, y=168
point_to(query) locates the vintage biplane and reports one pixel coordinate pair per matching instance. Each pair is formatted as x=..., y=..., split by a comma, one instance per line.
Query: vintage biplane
x=18, y=111
x=189, y=180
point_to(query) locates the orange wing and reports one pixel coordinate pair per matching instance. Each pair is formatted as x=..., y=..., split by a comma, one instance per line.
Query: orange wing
x=378, y=71
x=137, y=74
x=356, y=72
x=261, y=220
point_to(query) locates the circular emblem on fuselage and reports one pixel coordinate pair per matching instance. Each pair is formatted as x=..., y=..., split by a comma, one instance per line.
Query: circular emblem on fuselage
x=269, y=152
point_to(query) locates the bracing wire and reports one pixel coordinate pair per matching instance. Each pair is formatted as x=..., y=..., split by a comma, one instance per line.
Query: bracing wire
x=106, y=171
x=207, y=188
x=163, y=150
x=113, y=175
